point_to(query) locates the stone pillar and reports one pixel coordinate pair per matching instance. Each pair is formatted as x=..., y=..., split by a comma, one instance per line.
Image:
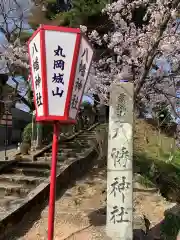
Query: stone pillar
x=119, y=165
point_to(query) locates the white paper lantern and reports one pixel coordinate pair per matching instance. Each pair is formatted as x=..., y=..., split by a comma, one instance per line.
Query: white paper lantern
x=60, y=60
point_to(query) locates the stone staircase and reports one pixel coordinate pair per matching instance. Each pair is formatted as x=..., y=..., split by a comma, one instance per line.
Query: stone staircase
x=20, y=178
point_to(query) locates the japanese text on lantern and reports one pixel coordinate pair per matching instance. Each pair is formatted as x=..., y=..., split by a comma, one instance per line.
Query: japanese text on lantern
x=82, y=70
x=79, y=81
x=58, y=73
x=35, y=54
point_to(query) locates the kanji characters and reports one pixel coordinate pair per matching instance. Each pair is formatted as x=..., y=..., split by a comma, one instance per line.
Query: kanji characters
x=82, y=68
x=85, y=53
x=59, y=64
x=74, y=101
x=38, y=99
x=78, y=84
x=34, y=49
x=120, y=156
x=37, y=81
x=58, y=92
x=36, y=64
x=59, y=52
x=58, y=78
x=118, y=215
x=120, y=186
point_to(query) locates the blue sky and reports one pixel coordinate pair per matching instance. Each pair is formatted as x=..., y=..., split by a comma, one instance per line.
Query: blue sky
x=87, y=99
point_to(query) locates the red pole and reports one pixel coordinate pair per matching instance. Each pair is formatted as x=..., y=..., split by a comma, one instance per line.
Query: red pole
x=52, y=194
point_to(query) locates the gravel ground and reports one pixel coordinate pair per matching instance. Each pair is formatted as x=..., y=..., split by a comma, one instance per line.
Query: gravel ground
x=72, y=221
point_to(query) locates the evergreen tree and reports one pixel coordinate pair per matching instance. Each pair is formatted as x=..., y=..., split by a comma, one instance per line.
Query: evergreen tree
x=84, y=12
x=72, y=13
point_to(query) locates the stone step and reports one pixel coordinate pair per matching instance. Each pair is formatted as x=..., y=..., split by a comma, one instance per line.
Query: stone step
x=73, y=148
x=65, y=152
x=60, y=154
x=20, y=179
x=87, y=134
x=85, y=138
x=68, y=144
x=49, y=159
x=7, y=203
x=28, y=171
x=84, y=143
x=68, y=151
x=63, y=158
x=40, y=164
x=82, y=139
x=6, y=200
x=7, y=189
x=92, y=131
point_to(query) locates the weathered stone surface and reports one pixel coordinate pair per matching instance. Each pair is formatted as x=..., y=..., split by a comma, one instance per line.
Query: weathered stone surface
x=138, y=223
x=139, y=187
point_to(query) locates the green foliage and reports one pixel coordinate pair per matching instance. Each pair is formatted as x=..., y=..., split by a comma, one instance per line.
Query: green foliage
x=52, y=9
x=27, y=133
x=47, y=132
x=46, y=128
x=165, y=175
x=143, y=180
x=24, y=36
x=170, y=226
x=86, y=105
x=30, y=100
x=33, y=25
x=82, y=12
x=163, y=114
x=51, y=1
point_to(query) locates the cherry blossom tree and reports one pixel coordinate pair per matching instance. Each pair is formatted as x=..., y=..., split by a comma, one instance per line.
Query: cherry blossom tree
x=141, y=32
x=14, y=60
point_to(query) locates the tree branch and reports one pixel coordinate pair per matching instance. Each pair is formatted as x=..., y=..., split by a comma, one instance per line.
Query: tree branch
x=152, y=52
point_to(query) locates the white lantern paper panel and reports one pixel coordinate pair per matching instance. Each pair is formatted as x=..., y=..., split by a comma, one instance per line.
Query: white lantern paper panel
x=59, y=48
x=82, y=70
x=35, y=59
